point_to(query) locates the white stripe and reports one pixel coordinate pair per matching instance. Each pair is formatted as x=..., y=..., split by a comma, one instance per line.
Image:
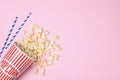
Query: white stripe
x=15, y=56
x=18, y=61
x=24, y=64
x=10, y=53
x=14, y=62
x=4, y=77
x=5, y=72
x=8, y=78
x=20, y=64
x=27, y=66
x=12, y=66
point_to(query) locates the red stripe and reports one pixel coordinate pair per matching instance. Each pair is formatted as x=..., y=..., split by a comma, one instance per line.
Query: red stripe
x=8, y=51
x=3, y=76
x=7, y=54
x=3, y=63
x=0, y=72
x=9, y=70
x=12, y=54
x=6, y=64
x=15, y=58
x=25, y=66
x=25, y=62
x=20, y=60
x=6, y=77
x=14, y=72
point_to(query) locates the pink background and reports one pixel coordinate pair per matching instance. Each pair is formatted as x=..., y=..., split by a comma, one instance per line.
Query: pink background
x=89, y=30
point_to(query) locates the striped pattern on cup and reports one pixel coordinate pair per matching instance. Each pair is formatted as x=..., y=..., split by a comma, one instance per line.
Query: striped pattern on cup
x=14, y=63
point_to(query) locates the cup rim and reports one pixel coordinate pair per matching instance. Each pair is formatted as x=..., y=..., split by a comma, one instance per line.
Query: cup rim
x=22, y=51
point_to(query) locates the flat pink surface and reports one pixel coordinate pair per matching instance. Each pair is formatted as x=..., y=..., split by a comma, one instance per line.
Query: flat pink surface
x=89, y=30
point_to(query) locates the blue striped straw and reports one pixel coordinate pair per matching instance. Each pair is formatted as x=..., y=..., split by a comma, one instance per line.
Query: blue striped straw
x=8, y=36
x=18, y=30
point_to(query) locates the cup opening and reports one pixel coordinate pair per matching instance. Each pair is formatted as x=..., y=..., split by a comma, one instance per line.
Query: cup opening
x=18, y=45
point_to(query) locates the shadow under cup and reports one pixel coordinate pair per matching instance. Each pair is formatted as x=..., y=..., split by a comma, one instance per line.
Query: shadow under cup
x=14, y=63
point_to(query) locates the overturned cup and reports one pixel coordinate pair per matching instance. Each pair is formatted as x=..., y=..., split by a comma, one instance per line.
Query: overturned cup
x=14, y=63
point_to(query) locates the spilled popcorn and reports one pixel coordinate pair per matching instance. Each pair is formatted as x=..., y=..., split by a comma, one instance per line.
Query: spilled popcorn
x=38, y=46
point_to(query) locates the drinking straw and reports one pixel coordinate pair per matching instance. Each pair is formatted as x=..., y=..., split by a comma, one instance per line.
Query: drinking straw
x=18, y=30
x=8, y=36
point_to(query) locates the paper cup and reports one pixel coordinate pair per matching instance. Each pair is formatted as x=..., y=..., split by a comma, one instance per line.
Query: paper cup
x=14, y=63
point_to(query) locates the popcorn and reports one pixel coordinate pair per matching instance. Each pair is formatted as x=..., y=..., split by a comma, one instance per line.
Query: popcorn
x=56, y=37
x=42, y=71
x=36, y=71
x=56, y=56
x=38, y=46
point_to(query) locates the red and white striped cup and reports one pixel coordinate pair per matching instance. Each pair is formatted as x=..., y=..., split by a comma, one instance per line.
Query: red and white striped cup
x=14, y=63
